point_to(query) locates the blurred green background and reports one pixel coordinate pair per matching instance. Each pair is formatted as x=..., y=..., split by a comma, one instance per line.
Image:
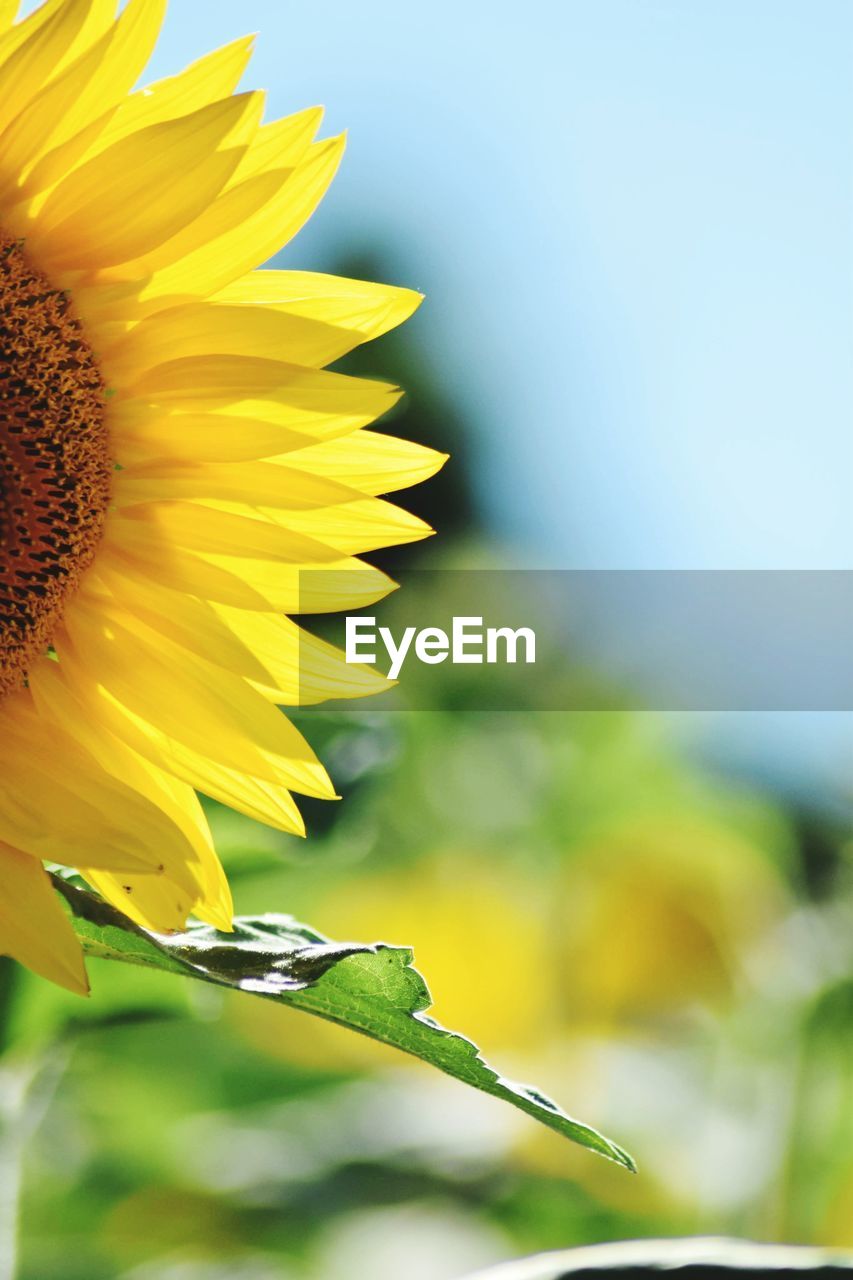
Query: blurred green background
x=663, y=947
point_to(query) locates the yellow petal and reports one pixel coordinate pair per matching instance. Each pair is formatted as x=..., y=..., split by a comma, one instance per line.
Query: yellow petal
x=369, y=461
x=105, y=822
x=211, y=78
x=70, y=694
x=188, y=621
x=355, y=527
x=253, y=483
x=313, y=405
x=204, y=328
x=150, y=901
x=342, y=585
x=356, y=310
x=100, y=15
x=245, y=240
x=245, y=582
x=148, y=433
x=268, y=162
x=23, y=203
x=201, y=882
x=169, y=173
x=34, y=928
x=40, y=47
x=257, y=798
x=310, y=399
x=15, y=35
x=280, y=658
x=84, y=93
x=198, y=528
x=233, y=208
x=155, y=903
x=300, y=669
x=281, y=144
x=213, y=904
x=133, y=552
x=187, y=699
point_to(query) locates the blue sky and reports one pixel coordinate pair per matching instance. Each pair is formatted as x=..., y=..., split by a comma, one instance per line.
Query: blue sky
x=633, y=223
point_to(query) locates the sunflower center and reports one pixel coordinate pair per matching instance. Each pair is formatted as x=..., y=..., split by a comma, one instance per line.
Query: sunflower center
x=55, y=465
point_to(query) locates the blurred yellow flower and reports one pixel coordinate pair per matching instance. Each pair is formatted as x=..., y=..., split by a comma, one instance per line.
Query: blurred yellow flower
x=173, y=456
x=658, y=914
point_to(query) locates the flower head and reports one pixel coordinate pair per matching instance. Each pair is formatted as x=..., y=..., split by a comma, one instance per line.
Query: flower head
x=173, y=457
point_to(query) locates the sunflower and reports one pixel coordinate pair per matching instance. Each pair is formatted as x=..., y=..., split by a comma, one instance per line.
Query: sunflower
x=174, y=458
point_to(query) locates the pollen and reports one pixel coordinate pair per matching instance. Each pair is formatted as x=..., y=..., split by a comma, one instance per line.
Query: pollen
x=55, y=466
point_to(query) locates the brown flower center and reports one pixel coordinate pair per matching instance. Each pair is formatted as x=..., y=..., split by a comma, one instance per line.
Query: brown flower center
x=55, y=464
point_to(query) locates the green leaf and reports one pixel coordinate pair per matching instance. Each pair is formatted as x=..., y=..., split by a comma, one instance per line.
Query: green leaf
x=690, y=1259
x=370, y=988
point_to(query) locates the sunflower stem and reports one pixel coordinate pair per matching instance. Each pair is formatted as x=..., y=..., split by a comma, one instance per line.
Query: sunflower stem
x=10, y=1100
x=12, y=1092
x=26, y=1089
x=10, y=974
